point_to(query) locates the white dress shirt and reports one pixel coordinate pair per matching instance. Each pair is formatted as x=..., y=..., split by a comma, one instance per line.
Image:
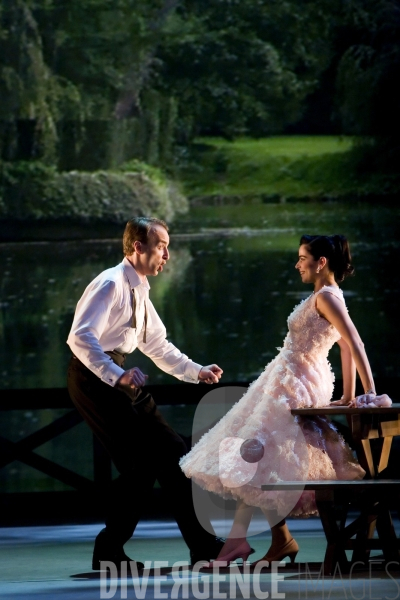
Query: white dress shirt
x=103, y=320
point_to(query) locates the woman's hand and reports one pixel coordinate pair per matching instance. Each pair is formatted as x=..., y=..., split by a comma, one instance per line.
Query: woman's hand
x=343, y=402
x=368, y=399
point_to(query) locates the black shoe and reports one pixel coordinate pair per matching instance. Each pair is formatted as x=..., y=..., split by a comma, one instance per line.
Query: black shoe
x=104, y=550
x=207, y=552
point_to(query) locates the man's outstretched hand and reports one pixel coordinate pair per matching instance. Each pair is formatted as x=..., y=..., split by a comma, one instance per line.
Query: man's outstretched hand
x=133, y=377
x=210, y=374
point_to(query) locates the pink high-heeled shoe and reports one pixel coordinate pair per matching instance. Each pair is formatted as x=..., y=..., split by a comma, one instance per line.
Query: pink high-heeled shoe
x=290, y=549
x=242, y=551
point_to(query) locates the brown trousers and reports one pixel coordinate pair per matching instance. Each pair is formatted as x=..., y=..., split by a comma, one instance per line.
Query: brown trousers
x=143, y=448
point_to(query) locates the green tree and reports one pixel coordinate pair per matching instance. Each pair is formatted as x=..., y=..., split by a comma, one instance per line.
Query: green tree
x=92, y=83
x=368, y=95
x=27, y=87
x=243, y=67
x=78, y=73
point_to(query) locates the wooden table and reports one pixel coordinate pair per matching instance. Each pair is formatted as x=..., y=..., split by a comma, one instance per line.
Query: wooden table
x=371, y=499
x=366, y=424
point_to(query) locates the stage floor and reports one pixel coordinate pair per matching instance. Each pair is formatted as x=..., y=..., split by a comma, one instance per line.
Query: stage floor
x=54, y=562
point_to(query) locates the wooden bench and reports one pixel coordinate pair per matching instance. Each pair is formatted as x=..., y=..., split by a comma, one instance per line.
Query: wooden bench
x=337, y=501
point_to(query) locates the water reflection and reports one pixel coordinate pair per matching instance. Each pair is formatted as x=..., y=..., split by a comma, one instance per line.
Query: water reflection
x=223, y=298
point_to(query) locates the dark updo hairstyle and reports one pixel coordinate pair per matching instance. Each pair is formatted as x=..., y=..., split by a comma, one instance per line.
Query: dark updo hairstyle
x=336, y=250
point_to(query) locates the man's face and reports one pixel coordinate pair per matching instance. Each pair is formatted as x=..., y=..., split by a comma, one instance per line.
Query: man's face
x=154, y=254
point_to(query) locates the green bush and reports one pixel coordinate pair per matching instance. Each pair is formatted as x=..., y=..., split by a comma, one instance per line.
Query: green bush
x=34, y=190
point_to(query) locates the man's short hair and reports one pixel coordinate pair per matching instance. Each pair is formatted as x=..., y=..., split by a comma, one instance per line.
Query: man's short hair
x=137, y=229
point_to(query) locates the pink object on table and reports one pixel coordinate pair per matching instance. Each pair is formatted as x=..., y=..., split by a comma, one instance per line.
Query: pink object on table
x=370, y=400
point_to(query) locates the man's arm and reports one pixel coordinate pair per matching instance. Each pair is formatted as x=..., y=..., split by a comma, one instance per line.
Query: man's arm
x=168, y=357
x=91, y=319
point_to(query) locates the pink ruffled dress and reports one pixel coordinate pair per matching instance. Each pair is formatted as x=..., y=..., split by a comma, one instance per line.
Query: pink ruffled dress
x=293, y=448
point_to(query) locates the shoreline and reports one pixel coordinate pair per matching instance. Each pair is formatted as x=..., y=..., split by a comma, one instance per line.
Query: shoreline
x=70, y=229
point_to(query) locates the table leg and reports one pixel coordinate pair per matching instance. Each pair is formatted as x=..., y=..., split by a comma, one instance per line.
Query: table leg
x=366, y=532
x=383, y=461
x=366, y=459
x=362, y=444
x=335, y=552
x=387, y=535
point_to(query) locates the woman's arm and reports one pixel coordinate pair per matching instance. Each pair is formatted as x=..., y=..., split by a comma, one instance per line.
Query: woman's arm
x=333, y=310
x=348, y=373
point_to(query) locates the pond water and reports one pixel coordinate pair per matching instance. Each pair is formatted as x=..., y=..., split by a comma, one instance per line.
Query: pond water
x=224, y=297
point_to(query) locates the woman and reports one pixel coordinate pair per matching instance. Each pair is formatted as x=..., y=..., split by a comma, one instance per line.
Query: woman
x=299, y=376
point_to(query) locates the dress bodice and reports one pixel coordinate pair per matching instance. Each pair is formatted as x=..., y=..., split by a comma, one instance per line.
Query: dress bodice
x=309, y=333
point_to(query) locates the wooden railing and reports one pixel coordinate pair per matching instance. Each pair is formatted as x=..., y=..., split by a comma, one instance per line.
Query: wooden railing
x=16, y=507
x=23, y=450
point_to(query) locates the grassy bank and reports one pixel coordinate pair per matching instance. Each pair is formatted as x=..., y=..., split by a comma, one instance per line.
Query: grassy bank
x=281, y=168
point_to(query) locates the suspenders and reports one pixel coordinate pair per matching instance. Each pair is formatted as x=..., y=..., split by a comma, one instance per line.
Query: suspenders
x=134, y=306
x=133, y=322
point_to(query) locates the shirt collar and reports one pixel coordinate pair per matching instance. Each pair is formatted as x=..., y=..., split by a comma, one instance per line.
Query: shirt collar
x=132, y=275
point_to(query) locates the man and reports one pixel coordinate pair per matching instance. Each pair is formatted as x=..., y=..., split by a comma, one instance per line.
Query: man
x=113, y=317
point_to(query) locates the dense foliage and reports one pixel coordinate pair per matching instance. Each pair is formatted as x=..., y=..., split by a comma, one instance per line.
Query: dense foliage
x=244, y=67
x=368, y=97
x=92, y=83
x=31, y=190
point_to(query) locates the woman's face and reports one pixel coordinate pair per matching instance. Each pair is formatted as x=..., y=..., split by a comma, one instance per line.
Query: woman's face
x=306, y=265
